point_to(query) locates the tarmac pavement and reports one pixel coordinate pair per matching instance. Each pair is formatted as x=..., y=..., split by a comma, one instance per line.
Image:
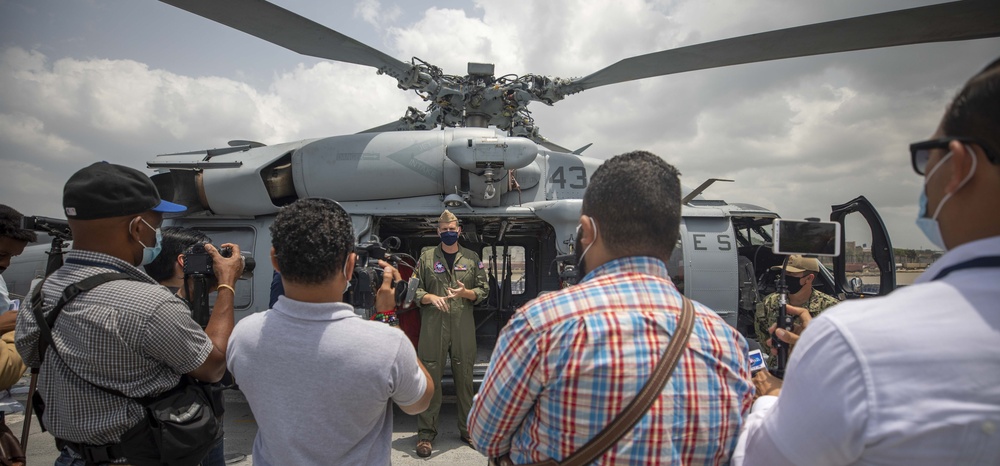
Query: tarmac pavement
x=241, y=428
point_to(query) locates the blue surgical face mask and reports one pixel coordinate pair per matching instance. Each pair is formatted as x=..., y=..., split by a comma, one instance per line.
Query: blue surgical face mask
x=449, y=237
x=929, y=225
x=149, y=253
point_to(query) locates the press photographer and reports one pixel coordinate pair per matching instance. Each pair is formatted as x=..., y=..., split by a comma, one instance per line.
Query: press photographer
x=113, y=348
x=186, y=268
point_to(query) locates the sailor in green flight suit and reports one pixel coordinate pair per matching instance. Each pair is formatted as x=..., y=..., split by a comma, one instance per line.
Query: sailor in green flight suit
x=452, y=279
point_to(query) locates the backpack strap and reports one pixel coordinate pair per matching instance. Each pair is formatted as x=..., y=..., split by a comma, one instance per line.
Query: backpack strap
x=47, y=321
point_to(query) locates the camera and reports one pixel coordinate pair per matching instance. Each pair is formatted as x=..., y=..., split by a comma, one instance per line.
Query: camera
x=56, y=228
x=199, y=273
x=368, y=275
x=198, y=262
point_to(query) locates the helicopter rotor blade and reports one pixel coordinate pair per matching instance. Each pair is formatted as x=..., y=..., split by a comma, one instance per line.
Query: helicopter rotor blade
x=541, y=141
x=391, y=126
x=954, y=21
x=281, y=27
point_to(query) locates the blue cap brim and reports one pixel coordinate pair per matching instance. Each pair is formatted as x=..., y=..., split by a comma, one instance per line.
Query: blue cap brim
x=169, y=207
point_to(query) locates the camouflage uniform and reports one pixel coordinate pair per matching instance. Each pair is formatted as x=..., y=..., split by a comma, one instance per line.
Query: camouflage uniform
x=453, y=332
x=767, y=315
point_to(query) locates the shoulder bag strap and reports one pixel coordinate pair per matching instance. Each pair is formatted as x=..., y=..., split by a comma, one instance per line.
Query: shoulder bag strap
x=650, y=392
x=47, y=322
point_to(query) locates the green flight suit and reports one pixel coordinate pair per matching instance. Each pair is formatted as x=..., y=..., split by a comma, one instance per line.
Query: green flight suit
x=767, y=315
x=448, y=333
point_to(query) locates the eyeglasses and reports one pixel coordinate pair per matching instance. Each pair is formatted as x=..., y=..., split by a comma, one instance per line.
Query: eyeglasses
x=920, y=152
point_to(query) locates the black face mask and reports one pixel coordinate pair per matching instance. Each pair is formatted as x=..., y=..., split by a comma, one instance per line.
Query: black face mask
x=794, y=284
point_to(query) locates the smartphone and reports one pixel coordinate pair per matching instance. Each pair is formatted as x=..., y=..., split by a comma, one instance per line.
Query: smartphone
x=806, y=238
x=756, y=360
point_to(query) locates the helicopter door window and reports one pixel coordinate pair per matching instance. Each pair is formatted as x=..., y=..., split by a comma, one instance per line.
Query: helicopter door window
x=517, y=266
x=244, y=237
x=858, y=259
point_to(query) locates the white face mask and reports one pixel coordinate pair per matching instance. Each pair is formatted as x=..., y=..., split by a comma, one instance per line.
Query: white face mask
x=930, y=226
x=346, y=277
x=580, y=272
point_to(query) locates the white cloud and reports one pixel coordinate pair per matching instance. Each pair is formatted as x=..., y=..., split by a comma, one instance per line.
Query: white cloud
x=373, y=13
x=56, y=117
x=28, y=132
x=797, y=135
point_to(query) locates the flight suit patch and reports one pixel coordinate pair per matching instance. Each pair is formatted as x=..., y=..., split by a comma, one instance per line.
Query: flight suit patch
x=481, y=266
x=438, y=267
x=461, y=268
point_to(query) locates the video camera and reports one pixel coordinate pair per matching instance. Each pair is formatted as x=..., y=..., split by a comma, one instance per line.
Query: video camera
x=58, y=229
x=55, y=227
x=368, y=275
x=809, y=237
x=198, y=272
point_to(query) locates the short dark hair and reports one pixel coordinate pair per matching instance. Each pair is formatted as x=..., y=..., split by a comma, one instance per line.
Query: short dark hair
x=10, y=225
x=312, y=238
x=636, y=200
x=975, y=111
x=176, y=241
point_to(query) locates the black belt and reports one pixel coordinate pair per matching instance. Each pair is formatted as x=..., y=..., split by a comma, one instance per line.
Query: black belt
x=93, y=454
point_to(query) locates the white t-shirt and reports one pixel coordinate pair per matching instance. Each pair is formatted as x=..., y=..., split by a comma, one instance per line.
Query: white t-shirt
x=911, y=378
x=5, y=301
x=319, y=380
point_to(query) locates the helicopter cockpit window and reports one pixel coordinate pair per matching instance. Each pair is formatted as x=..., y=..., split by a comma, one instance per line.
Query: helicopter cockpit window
x=759, y=234
x=676, y=266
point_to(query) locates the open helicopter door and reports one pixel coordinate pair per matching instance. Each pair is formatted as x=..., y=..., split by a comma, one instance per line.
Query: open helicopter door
x=866, y=265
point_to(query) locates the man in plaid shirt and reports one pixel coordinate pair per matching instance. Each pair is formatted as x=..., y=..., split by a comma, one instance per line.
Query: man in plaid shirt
x=569, y=362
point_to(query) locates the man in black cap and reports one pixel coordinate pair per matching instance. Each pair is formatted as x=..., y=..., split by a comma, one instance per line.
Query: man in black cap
x=130, y=335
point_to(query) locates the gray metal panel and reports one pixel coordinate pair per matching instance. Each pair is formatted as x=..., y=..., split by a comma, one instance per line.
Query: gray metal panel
x=710, y=273
x=567, y=176
x=241, y=191
x=373, y=166
x=564, y=216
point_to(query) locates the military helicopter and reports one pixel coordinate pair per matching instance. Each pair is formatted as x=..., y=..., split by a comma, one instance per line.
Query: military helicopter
x=476, y=150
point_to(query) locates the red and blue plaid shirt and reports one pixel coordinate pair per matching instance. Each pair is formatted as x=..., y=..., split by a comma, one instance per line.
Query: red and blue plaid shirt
x=567, y=363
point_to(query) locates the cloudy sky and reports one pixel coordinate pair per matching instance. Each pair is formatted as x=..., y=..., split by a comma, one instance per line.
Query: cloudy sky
x=124, y=80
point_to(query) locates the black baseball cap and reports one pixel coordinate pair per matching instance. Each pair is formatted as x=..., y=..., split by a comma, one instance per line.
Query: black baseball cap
x=105, y=190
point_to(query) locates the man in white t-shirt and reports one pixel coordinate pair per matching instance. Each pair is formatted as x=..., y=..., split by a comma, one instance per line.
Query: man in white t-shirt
x=318, y=378
x=914, y=377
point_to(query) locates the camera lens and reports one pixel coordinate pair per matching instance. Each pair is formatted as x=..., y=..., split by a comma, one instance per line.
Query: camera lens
x=248, y=265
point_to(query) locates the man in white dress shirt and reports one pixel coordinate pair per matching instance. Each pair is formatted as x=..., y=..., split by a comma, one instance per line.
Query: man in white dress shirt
x=912, y=378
